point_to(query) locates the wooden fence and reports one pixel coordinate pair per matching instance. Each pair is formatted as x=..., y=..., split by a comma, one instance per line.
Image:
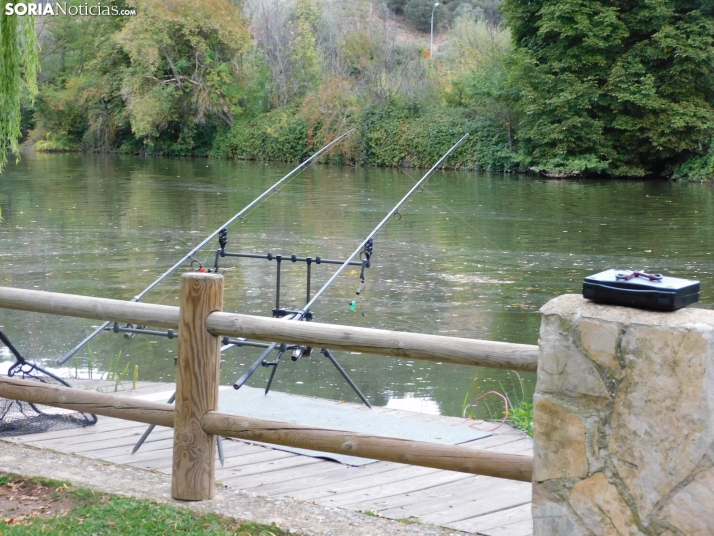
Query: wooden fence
x=196, y=422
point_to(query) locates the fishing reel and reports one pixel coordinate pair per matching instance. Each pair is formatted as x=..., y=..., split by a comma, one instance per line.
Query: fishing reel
x=223, y=239
x=365, y=256
x=301, y=351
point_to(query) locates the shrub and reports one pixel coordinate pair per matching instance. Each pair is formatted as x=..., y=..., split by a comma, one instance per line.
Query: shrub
x=397, y=6
x=403, y=133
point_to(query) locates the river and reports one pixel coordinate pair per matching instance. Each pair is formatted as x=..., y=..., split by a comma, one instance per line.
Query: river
x=473, y=255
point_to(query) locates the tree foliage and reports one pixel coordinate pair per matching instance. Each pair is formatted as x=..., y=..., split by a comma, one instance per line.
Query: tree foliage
x=18, y=75
x=567, y=87
x=482, y=79
x=419, y=11
x=621, y=88
x=486, y=10
x=397, y=6
x=80, y=104
x=287, y=37
x=185, y=64
x=419, y=14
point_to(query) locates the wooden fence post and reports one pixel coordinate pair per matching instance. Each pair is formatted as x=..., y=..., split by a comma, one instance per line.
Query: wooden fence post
x=197, y=379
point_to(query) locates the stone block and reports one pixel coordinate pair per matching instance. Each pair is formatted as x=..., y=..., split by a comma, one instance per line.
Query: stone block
x=600, y=343
x=559, y=446
x=662, y=417
x=602, y=510
x=692, y=509
x=550, y=519
x=637, y=388
x=562, y=367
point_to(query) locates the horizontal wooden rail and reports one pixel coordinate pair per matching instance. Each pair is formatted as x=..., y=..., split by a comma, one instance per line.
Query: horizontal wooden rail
x=129, y=409
x=455, y=350
x=39, y=301
x=448, y=457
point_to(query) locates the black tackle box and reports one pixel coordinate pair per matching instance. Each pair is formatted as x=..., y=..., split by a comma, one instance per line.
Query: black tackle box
x=639, y=289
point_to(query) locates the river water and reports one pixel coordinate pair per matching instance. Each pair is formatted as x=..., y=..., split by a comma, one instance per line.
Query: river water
x=473, y=255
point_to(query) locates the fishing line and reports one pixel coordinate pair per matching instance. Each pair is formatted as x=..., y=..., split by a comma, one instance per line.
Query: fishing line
x=455, y=214
x=169, y=293
x=367, y=241
x=330, y=313
x=342, y=307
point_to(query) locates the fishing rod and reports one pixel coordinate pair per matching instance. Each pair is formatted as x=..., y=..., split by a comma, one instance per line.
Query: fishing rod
x=365, y=251
x=392, y=213
x=190, y=254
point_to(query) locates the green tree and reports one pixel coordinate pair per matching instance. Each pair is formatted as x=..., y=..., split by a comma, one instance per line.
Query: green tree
x=287, y=36
x=620, y=88
x=397, y=6
x=482, y=84
x=186, y=66
x=488, y=10
x=419, y=14
x=18, y=75
x=304, y=25
x=80, y=104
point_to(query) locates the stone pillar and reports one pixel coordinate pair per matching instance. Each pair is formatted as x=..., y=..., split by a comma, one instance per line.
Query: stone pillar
x=624, y=421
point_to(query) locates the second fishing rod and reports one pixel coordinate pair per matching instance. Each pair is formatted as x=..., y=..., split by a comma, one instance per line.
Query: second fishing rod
x=364, y=250
x=218, y=232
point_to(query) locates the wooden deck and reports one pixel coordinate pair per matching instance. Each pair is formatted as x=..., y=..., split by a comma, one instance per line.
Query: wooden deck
x=469, y=503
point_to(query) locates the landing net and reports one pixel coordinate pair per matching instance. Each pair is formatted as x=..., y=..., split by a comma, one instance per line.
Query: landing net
x=21, y=418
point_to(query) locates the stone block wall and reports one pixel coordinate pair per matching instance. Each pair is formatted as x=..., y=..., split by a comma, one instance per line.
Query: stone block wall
x=624, y=421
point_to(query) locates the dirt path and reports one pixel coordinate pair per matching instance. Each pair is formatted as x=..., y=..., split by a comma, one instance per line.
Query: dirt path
x=293, y=516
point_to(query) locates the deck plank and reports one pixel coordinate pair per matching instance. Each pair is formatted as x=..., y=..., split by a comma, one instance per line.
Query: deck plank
x=309, y=468
x=401, y=487
x=441, y=511
x=522, y=528
x=492, y=522
x=327, y=487
x=378, y=503
x=469, y=503
x=260, y=469
x=339, y=474
x=88, y=440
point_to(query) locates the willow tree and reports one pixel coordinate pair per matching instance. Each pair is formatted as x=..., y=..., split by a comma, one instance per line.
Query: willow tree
x=613, y=87
x=18, y=76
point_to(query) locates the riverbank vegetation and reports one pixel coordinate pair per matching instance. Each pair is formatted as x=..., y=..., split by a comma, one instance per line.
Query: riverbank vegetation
x=566, y=88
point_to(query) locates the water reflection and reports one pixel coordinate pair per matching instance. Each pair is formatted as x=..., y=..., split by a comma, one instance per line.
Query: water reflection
x=474, y=255
x=418, y=405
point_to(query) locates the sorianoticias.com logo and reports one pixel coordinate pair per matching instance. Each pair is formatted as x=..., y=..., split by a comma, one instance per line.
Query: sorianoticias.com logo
x=62, y=8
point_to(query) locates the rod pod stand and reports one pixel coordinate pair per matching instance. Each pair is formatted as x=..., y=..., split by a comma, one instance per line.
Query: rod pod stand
x=278, y=312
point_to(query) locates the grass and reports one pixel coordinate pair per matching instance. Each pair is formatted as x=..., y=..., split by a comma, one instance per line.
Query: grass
x=411, y=520
x=93, y=513
x=115, y=373
x=518, y=407
x=521, y=407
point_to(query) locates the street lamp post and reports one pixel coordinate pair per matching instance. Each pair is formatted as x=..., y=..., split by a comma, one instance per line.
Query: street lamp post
x=431, y=46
